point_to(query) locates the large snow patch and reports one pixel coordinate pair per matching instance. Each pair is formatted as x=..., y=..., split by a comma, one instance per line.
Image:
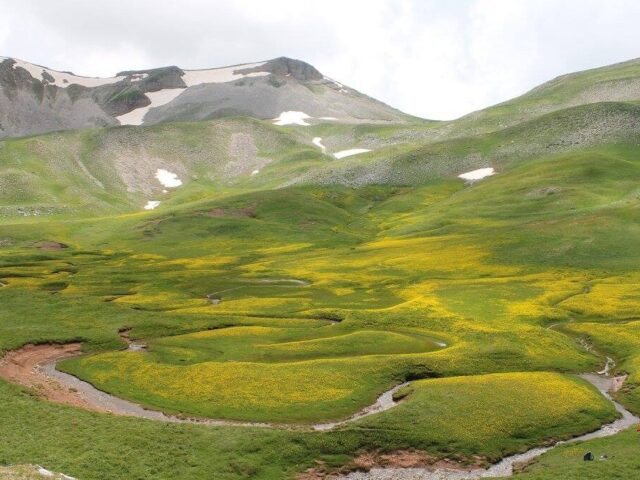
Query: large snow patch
x=159, y=98
x=348, y=153
x=291, y=118
x=168, y=179
x=63, y=79
x=220, y=75
x=317, y=141
x=478, y=174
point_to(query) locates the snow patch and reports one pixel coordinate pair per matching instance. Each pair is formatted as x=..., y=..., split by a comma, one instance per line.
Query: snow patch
x=151, y=204
x=43, y=471
x=136, y=77
x=478, y=174
x=63, y=79
x=340, y=86
x=255, y=172
x=291, y=118
x=220, y=75
x=167, y=178
x=337, y=84
x=328, y=118
x=159, y=98
x=348, y=153
x=317, y=141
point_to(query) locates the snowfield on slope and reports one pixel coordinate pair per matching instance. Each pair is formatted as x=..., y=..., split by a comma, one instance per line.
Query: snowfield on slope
x=159, y=98
x=220, y=75
x=348, y=153
x=297, y=118
x=62, y=79
x=478, y=174
x=291, y=118
x=190, y=77
x=317, y=141
x=167, y=178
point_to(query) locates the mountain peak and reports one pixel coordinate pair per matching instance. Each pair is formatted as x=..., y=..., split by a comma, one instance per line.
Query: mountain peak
x=36, y=99
x=297, y=69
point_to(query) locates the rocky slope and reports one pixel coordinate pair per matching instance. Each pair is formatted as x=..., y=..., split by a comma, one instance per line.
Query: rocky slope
x=35, y=99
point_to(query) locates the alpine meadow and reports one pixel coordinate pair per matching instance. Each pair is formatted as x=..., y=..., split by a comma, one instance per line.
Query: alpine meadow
x=258, y=272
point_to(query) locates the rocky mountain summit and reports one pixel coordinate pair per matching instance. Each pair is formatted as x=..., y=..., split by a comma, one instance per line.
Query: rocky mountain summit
x=36, y=99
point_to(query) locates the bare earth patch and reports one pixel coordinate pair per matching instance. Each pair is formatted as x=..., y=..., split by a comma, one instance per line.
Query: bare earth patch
x=50, y=245
x=246, y=212
x=22, y=367
x=397, y=459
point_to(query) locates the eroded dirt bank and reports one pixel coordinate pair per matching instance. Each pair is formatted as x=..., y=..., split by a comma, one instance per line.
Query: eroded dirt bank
x=23, y=367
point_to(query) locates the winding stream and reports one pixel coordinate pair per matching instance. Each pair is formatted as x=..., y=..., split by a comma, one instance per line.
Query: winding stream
x=105, y=402
x=601, y=380
x=45, y=358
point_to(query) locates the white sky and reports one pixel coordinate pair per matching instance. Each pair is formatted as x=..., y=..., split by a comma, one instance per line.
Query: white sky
x=433, y=58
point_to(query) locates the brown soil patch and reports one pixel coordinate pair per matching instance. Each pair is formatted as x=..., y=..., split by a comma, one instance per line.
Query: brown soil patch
x=617, y=383
x=125, y=334
x=50, y=245
x=398, y=459
x=22, y=367
x=246, y=212
x=410, y=459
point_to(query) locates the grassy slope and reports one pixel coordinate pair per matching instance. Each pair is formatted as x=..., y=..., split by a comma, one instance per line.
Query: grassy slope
x=112, y=170
x=485, y=269
x=474, y=289
x=413, y=163
x=125, y=448
x=610, y=83
x=616, y=457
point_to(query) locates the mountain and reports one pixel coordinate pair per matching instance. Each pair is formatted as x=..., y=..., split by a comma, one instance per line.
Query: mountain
x=101, y=170
x=36, y=99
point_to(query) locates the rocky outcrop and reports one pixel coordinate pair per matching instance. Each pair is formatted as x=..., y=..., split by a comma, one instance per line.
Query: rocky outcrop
x=284, y=67
x=29, y=105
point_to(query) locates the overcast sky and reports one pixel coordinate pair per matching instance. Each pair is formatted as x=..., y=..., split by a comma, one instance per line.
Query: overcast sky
x=433, y=58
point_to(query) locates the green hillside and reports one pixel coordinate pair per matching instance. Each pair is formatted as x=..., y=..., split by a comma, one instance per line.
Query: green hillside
x=297, y=295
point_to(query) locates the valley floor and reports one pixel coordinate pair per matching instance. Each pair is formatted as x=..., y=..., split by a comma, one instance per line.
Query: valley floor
x=300, y=306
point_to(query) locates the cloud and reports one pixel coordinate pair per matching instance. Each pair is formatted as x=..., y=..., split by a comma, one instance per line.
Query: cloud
x=432, y=58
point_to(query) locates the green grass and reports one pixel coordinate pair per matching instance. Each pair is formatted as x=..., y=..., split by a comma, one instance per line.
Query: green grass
x=457, y=415
x=328, y=294
x=616, y=457
x=259, y=373
x=125, y=448
x=621, y=341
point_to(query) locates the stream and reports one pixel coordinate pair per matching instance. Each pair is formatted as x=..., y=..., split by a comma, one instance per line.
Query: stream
x=106, y=402
x=45, y=368
x=601, y=380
